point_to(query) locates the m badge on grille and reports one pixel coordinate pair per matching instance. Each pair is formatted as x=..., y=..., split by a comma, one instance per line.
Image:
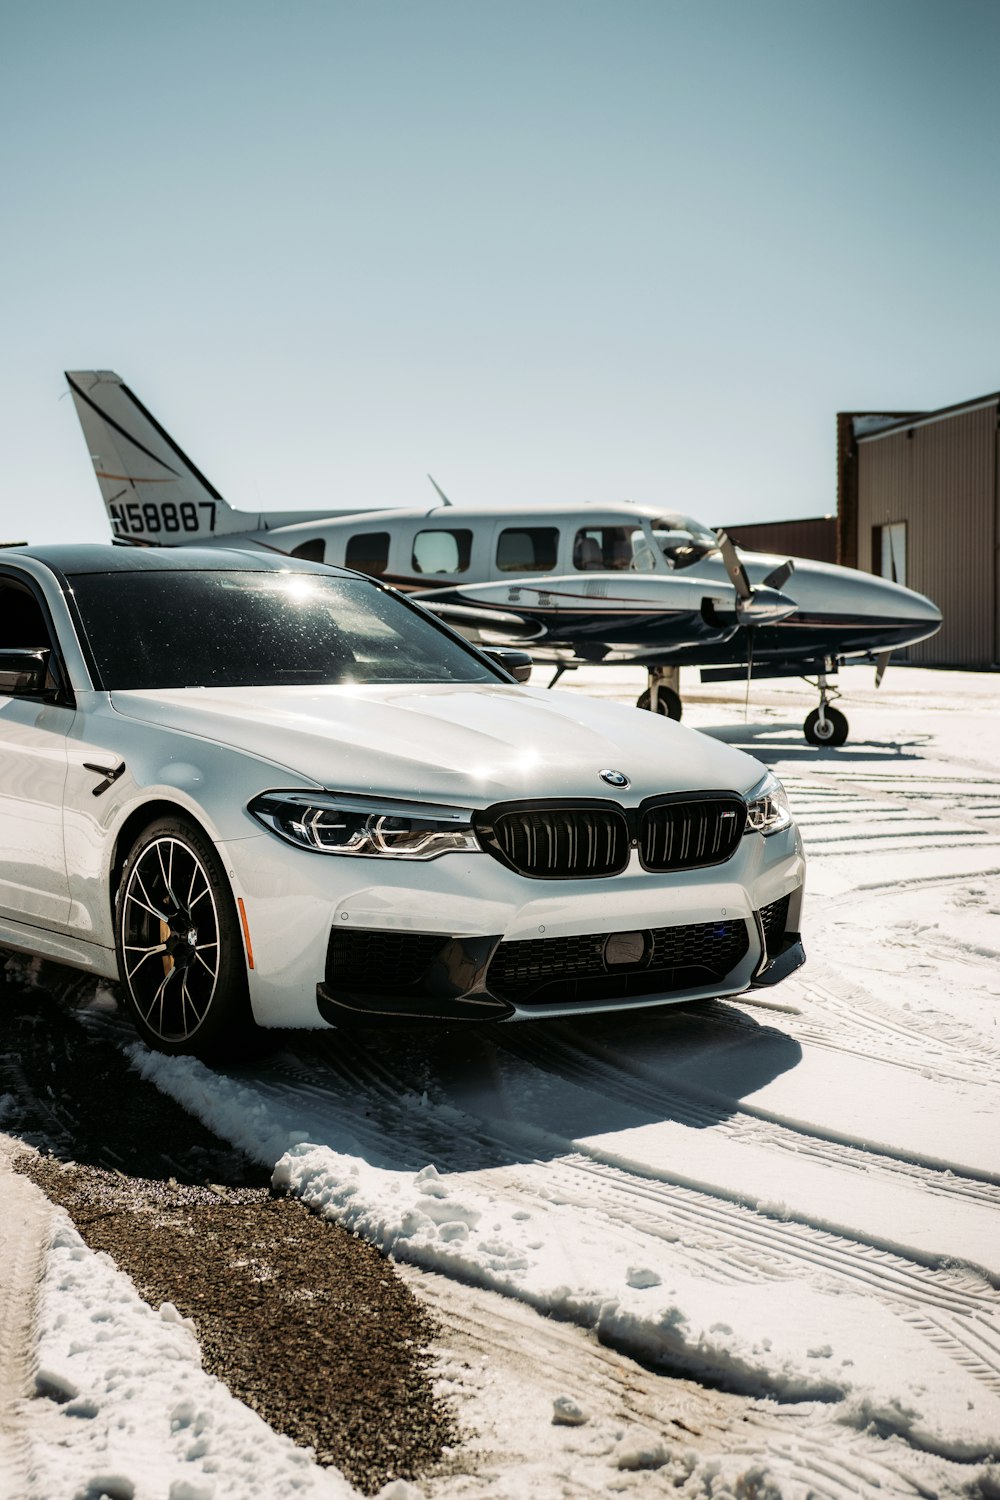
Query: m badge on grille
x=615, y=778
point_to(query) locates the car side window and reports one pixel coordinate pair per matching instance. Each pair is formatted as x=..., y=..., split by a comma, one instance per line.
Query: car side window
x=23, y=626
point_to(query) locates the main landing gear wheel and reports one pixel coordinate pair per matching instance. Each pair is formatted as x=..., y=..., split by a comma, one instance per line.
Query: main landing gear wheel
x=826, y=726
x=667, y=702
x=180, y=953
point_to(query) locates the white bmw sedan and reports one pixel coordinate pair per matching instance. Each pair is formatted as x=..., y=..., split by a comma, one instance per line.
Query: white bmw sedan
x=259, y=791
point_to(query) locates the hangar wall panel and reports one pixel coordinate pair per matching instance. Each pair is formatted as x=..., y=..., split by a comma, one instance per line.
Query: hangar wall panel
x=815, y=537
x=940, y=478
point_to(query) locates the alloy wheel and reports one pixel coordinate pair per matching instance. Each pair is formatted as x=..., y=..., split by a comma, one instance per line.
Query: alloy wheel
x=170, y=939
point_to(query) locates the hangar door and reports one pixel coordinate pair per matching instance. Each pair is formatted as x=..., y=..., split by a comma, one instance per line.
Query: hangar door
x=889, y=551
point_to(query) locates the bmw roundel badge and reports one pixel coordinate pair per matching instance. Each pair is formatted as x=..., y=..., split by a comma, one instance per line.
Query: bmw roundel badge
x=615, y=778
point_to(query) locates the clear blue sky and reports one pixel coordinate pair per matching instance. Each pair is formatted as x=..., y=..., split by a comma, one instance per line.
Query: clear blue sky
x=548, y=251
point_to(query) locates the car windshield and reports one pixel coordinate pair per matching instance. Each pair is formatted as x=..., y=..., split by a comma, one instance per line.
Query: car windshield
x=232, y=629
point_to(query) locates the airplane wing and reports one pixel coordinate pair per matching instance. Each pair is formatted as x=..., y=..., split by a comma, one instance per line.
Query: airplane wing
x=603, y=615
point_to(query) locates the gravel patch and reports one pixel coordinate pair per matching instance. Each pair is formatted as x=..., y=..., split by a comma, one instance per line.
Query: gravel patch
x=308, y=1325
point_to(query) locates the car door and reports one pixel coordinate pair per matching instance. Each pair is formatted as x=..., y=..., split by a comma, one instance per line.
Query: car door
x=34, y=887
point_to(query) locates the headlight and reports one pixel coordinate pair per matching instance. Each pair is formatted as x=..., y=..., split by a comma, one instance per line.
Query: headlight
x=329, y=823
x=767, y=807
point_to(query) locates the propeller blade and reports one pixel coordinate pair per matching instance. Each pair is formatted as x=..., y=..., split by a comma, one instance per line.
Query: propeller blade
x=734, y=567
x=778, y=577
x=746, y=698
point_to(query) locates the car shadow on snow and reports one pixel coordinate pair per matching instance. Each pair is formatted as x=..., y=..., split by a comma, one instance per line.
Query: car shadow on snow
x=71, y=1092
x=463, y=1098
x=495, y=1095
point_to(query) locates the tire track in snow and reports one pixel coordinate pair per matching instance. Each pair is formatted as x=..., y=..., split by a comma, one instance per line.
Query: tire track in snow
x=866, y=809
x=715, y=1237
x=844, y=1016
x=971, y=1347
x=724, y=1239
x=380, y=1098
x=768, y=1247
x=485, y=1330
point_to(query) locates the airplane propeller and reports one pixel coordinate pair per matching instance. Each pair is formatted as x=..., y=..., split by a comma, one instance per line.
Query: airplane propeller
x=765, y=604
x=779, y=576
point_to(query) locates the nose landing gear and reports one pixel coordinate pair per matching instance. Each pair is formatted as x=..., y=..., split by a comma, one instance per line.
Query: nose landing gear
x=825, y=725
x=663, y=693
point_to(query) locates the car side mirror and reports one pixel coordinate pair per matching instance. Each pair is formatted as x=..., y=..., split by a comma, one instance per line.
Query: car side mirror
x=23, y=671
x=517, y=663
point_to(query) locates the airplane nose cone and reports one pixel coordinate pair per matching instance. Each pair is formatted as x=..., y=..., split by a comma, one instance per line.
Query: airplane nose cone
x=905, y=603
x=861, y=612
x=925, y=608
x=896, y=616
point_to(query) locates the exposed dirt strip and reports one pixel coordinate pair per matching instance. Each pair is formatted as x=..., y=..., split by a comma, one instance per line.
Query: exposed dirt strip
x=307, y=1325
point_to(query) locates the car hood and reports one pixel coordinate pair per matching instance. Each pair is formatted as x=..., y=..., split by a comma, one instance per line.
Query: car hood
x=465, y=743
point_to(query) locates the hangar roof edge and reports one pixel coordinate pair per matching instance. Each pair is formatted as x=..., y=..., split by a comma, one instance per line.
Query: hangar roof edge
x=924, y=419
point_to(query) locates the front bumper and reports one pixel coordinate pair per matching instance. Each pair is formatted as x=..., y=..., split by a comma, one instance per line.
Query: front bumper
x=429, y=977
x=473, y=915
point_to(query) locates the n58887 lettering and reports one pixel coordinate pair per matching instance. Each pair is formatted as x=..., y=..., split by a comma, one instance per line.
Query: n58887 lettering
x=157, y=516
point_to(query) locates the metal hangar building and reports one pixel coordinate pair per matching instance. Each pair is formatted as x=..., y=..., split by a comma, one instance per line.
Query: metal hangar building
x=918, y=501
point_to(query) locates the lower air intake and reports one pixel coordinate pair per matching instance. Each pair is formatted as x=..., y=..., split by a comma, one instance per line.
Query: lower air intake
x=774, y=920
x=359, y=959
x=552, y=971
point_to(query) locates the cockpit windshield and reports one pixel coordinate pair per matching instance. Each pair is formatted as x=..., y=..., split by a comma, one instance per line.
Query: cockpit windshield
x=683, y=540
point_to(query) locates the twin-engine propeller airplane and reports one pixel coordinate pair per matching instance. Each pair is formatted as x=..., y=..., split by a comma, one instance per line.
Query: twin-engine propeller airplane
x=620, y=585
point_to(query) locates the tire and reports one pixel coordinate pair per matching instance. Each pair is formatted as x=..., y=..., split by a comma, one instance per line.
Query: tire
x=833, y=732
x=668, y=702
x=187, y=993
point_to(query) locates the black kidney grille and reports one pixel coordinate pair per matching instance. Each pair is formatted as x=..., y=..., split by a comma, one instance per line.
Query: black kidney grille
x=774, y=919
x=549, y=971
x=560, y=842
x=359, y=958
x=685, y=835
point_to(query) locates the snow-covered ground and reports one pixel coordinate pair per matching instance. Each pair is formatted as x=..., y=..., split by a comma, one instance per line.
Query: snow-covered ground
x=793, y=1200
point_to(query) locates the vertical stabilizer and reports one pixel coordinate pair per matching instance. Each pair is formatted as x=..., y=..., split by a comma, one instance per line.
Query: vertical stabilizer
x=152, y=491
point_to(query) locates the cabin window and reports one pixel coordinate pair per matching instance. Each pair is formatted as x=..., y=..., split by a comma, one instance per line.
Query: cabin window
x=312, y=551
x=442, y=551
x=528, y=549
x=603, y=549
x=368, y=552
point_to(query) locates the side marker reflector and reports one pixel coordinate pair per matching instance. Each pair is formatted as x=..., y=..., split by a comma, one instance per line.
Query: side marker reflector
x=246, y=931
